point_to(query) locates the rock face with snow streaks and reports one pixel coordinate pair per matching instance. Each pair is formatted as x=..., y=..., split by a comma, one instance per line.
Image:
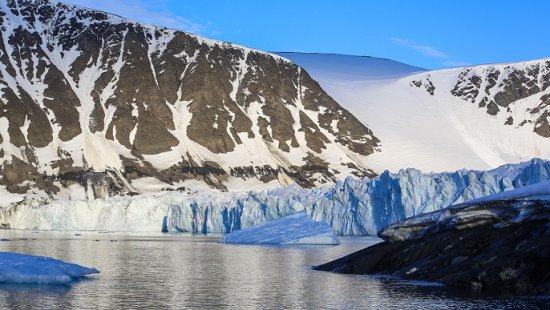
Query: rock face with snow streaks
x=519, y=91
x=83, y=91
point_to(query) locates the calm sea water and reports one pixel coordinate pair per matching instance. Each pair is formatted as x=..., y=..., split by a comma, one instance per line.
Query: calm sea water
x=183, y=271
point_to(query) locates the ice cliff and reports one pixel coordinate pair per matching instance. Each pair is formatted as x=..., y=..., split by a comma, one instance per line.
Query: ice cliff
x=351, y=207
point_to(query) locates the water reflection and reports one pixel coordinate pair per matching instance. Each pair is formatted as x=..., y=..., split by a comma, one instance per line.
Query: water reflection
x=180, y=271
x=17, y=296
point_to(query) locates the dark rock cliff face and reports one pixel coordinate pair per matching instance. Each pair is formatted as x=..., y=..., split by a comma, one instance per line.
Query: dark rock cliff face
x=490, y=247
x=500, y=89
x=82, y=90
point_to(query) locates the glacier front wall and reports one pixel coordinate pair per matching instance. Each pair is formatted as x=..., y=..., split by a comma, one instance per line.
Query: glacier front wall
x=352, y=207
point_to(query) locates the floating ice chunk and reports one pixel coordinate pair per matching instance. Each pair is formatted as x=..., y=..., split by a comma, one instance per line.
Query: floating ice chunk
x=298, y=228
x=30, y=269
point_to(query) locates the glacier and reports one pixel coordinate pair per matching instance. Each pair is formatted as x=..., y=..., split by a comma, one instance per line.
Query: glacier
x=352, y=207
x=297, y=228
x=18, y=268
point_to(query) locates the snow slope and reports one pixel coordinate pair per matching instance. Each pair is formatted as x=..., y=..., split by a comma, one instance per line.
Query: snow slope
x=351, y=207
x=449, y=129
x=18, y=268
x=349, y=67
x=297, y=228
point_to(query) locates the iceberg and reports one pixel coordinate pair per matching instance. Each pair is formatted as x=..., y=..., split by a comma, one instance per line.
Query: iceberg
x=18, y=268
x=298, y=228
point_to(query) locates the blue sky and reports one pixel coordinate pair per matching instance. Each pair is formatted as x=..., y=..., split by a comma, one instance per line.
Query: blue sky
x=429, y=33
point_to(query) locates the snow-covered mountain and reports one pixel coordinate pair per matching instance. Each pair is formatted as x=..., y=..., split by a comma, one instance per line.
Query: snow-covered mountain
x=93, y=104
x=476, y=117
x=351, y=207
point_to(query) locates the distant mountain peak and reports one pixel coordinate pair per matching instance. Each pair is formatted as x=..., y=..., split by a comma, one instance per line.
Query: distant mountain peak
x=350, y=67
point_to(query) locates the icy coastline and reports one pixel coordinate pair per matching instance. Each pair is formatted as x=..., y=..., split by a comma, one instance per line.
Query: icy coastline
x=352, y=207
x=495, y=244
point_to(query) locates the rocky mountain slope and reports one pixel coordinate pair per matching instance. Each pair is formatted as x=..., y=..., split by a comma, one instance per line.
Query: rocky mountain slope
x=476, y=117
x=92, y=104
x=517, y=93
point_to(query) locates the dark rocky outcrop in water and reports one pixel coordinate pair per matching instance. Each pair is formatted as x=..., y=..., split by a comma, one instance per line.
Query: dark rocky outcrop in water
x=498, y=246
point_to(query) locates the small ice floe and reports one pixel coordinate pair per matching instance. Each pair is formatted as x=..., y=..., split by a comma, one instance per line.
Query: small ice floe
x=298, y=228
x=29, y=269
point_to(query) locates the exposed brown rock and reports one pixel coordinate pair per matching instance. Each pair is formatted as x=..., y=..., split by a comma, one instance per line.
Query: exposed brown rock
x=509, y=121
x=542, y=125
x=503, y=88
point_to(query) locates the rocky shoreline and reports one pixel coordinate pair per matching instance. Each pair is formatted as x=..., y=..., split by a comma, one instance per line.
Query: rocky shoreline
x=490, y=246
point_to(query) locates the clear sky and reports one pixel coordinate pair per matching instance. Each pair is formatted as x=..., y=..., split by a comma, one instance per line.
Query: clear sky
x=429, y=33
